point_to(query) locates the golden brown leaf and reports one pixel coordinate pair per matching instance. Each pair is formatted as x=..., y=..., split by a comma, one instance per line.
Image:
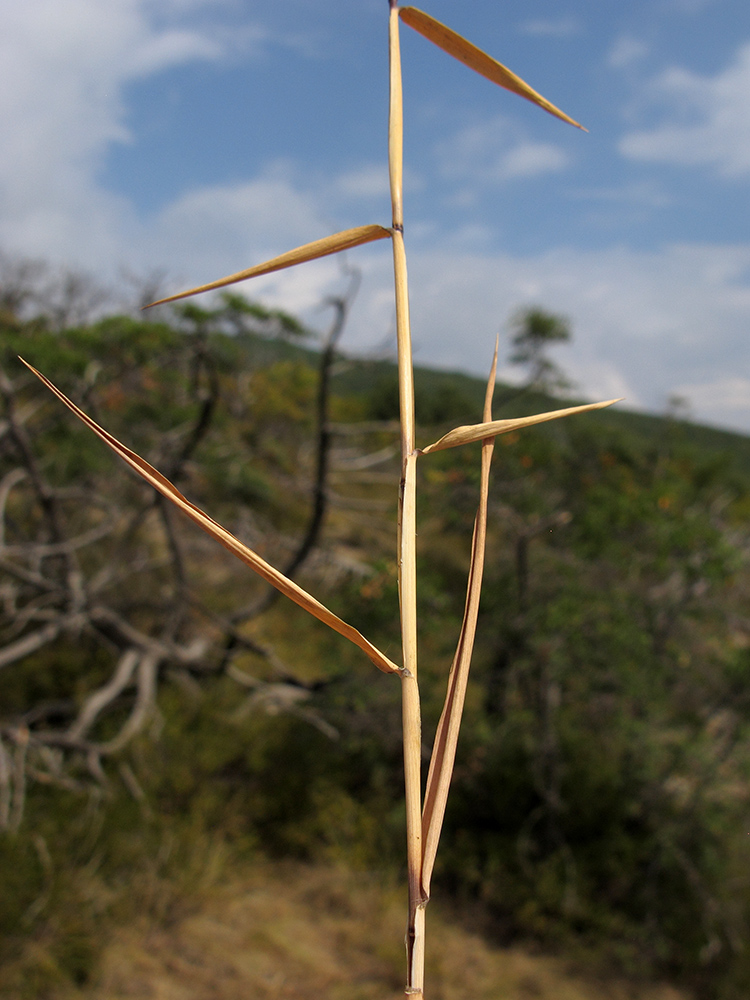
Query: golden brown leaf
x=282, y=583
x=345, y=240
x=493, y=428
x=467, y=53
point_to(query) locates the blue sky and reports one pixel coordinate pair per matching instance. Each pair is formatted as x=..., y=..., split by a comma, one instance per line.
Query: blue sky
x=202, y=137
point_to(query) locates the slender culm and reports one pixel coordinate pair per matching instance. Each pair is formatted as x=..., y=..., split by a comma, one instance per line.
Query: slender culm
x=422, y=826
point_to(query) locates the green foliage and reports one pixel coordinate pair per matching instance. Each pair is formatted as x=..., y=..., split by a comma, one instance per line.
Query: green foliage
x=437, y=399
x=601, y=792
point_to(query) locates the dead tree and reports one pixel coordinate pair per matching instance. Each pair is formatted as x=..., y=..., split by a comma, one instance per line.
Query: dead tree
x=71, y=554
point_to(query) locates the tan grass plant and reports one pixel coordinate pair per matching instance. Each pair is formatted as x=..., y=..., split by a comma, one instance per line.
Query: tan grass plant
x=423, y=822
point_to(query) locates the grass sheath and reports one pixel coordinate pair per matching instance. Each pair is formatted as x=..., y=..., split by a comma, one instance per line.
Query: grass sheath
x=446, y=738
x=423, y=825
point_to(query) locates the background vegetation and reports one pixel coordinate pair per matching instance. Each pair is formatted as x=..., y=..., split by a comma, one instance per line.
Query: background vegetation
x=600, y=802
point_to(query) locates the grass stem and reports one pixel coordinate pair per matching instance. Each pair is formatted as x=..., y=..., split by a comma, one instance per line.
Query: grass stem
x=407, y=533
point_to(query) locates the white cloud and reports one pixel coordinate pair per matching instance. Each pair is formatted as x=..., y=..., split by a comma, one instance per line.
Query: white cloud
x=724, y=402
x=215, y=231
x=643, y=194
x=709, y=124
x=495, y=152
x=626, y=51
x=530, y=159
x=563, y=27
x=645, y=324
x=370, y=181
x=63, y=66
x=170, y=49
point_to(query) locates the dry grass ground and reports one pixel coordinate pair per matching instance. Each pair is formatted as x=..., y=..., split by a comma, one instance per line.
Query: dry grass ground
x=298, y=933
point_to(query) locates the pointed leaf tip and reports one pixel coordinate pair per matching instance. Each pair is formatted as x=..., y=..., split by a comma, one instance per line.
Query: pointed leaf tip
x=466, y=52
x=479, y=432
x=345, y=240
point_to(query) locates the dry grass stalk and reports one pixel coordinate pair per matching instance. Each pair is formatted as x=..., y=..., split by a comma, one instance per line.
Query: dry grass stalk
x=407, y=534
x=422, y=826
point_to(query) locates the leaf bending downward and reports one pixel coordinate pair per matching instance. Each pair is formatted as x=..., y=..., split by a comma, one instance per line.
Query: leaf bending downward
x=493, y=428
x=460, y=48
x=345, y=240
x=282, y=583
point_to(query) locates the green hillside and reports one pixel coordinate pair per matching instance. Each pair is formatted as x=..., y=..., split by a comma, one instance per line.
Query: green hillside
x=160, y=713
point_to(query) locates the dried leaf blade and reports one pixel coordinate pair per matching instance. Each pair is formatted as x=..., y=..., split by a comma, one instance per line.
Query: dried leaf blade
x=478, y=432
x=460, y=48
x=246, y=555
x=337, y=243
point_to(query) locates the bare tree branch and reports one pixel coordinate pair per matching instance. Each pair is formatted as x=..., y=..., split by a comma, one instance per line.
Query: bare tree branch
x=144, y=704
x=72, y=560
x=5, y=787
x=105, y=695
x=19, y=780
x=30, y=643
x=341, y=306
